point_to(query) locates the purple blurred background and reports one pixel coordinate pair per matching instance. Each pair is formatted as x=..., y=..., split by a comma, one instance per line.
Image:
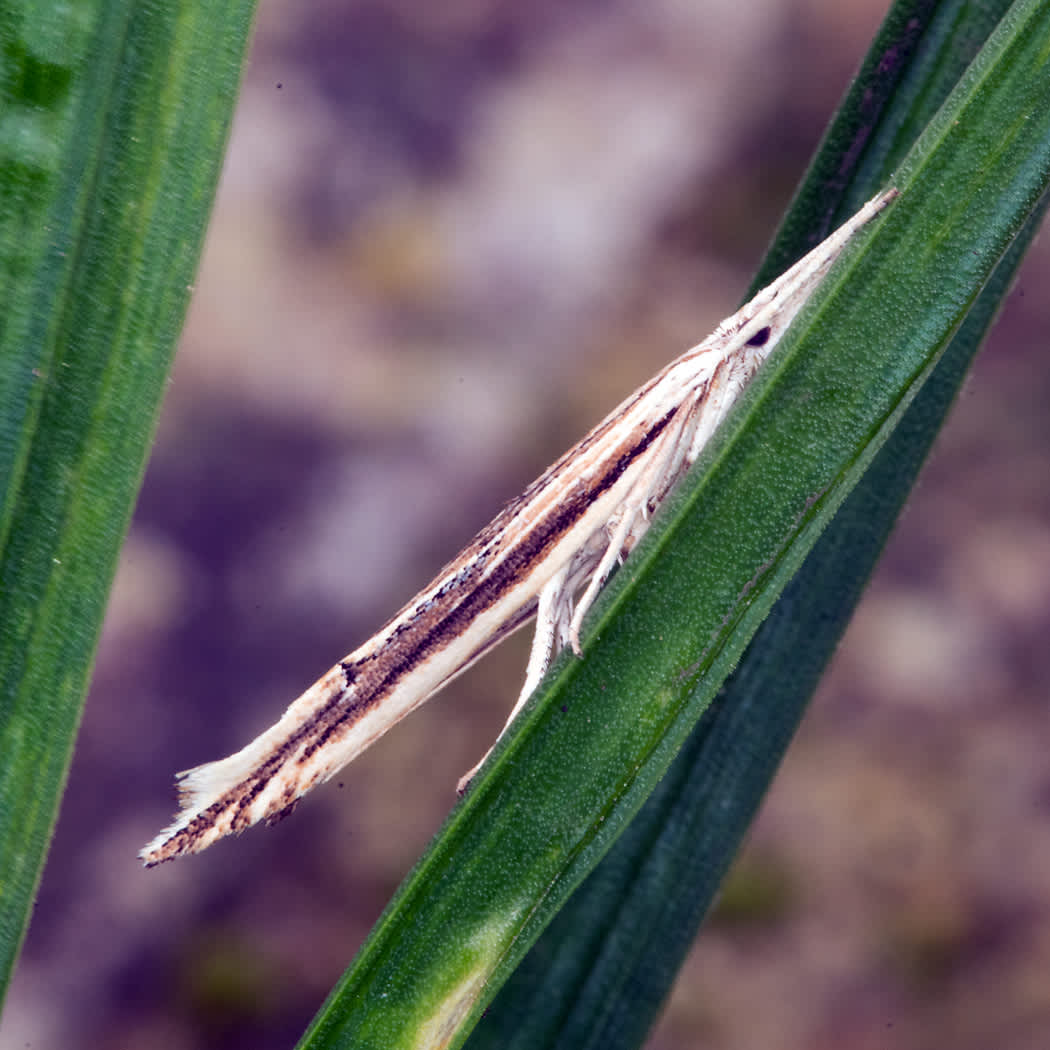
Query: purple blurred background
x=449, y=238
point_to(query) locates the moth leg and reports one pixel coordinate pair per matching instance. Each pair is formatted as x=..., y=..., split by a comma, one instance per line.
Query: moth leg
x=557, y=622
x=555, y=605
x=634, y=515
x=554, y=611
x=683, y=455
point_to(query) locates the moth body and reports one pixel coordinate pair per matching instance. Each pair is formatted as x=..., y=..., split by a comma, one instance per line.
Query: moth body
x=547, y=554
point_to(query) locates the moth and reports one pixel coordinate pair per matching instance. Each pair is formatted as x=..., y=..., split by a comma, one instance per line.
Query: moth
x=546, y=554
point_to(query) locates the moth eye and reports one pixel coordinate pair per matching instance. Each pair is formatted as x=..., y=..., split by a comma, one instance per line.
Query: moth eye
x=761, y=337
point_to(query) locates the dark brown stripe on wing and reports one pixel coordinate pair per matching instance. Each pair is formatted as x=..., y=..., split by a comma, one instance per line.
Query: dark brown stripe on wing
x=356, y=689
x=434, y=626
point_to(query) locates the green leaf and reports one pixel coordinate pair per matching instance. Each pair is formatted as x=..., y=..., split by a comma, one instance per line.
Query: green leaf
x=602, y=969
x=676, y=619
x=113, y=118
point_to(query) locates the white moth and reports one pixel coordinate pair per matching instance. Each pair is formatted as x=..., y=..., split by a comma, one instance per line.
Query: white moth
x=561, y=537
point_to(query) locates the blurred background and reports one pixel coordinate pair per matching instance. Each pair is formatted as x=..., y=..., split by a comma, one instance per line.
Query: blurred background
x=448, y=239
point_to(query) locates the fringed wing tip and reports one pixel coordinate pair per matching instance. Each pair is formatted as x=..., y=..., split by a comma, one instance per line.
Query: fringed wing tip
x=198, y=789
x=153, y=853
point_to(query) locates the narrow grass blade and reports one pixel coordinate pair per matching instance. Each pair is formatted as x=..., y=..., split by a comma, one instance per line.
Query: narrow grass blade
x=600, y=972
x=113, y=117
x=677, y=618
